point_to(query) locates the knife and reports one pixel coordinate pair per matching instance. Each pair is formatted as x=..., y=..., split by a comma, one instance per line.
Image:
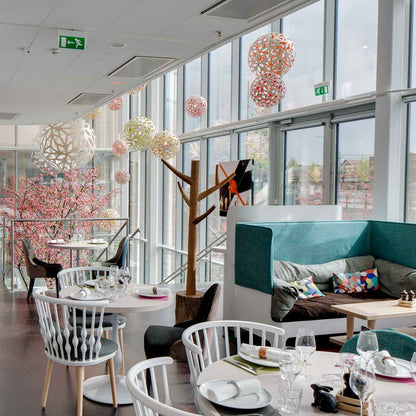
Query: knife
x=240, y=365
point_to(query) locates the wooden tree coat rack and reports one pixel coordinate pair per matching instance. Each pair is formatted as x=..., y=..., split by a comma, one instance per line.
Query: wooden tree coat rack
x=192, y=201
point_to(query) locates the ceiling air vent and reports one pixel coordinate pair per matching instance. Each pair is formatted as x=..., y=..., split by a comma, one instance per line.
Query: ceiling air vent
x=89, y=98
x=242, y=9
x=8, y=116
x=140, y=66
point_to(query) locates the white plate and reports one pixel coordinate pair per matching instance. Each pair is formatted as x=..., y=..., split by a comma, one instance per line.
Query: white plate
x=259, y=361
x=91, y=282
x=148, y=293
x=97, y=242
x=246, y=402
x=56, y=241
x=403, y=370
x=91, y=296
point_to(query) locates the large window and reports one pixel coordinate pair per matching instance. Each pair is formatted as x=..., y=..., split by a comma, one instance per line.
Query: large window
x=356, y=168
x=219, y=107
x=171, y=101
x=255, y=145
x=306, y=29
x=304, y=166
x=107, y=126
x=247, y=107
x=411, y=166
x=192, y=86
x=356, y=52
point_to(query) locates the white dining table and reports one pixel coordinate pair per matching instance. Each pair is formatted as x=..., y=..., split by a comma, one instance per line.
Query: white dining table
x=98, y=388
x=322, y=370
x=78, y=246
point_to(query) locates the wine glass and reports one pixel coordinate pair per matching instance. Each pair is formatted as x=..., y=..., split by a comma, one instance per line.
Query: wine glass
x=306, y=344
x=289, y=363
x=362, y=381
x=367, y=345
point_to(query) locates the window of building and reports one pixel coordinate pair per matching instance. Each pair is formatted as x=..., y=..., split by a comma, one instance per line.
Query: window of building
x=356, y=47
x=219, y=108
x=171, y=101
x=356, y=168
x=255, y=145
x=304, y=166
x=192, y=86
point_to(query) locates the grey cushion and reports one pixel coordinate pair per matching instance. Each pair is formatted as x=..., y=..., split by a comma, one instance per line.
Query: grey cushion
x=393, y=277
x=321, y=273
x=284, y=297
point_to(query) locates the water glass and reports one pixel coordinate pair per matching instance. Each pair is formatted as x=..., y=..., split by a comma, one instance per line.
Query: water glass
x=290, y=397
x=386, y=409
x=362, y=380
x=113, y=274
x=306, y=344
x=290, y=364
x=104, y=285
x=367, y=345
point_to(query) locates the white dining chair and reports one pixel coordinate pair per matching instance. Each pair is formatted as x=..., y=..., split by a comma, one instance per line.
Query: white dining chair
x=78, y=347
x=208, y=342
x=80, y=275
x=147, y=398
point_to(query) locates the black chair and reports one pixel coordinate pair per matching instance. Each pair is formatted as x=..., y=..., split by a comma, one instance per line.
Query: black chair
x=160, y=341
x=119, y=259
x=36, y=268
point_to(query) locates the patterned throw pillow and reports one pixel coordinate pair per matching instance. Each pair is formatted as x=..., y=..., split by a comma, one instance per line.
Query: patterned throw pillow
x=307, y=289
x=366, y=281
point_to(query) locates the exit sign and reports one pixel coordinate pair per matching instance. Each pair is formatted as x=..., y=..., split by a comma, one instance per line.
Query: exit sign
x=72, y=42
x=324, y=89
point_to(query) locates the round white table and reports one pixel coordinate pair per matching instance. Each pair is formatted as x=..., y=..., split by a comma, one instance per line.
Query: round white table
x=78, y=246
x=99, y=388
x=322, y=370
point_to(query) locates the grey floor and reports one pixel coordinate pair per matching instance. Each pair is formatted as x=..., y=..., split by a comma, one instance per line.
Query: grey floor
x=23, y=364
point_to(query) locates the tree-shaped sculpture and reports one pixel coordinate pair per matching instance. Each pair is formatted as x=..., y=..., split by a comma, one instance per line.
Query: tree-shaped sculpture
x=192, y=201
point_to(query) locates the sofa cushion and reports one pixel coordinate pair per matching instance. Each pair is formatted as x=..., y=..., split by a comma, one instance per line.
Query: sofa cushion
x=284, y=297
x=394, y=277
x=321, y=273
x=366, y=281
x=320, y=308
x=306, y=289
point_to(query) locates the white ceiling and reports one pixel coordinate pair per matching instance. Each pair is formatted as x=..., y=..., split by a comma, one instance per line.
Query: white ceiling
x=38, y=86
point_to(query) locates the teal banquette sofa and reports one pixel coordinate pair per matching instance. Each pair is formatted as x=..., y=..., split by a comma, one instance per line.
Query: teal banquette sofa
x=259, y=245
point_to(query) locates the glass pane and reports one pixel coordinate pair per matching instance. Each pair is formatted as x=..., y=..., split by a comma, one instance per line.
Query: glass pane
x=411, y=166
x=247, y=107
x=7, y=136
x=356, y=168
x=7, y=171
x=356, y=48
x=306, y=28
x=304, y=165
x=139, y=100
x=105, y=161
x=169, y=206
x=26, y=134
x=255, y=145
x=218, y=151
x=107, y=126
x=171, y=101
x=25, y=167
x=192, y=86
x=412, y=59
x=219, y=103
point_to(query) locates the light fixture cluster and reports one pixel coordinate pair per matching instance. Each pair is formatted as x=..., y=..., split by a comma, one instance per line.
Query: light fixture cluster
x=270, y=57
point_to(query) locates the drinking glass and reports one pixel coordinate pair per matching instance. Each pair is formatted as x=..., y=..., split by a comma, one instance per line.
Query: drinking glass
x=289, y=363
x=367, y=345
x=290, y=397
x=113, y=274
x=412, y=369
x=346, y=360
x=362, y=380
x=306, y=344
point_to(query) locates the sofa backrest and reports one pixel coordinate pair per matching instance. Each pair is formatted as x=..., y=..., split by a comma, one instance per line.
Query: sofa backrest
x=309, y=242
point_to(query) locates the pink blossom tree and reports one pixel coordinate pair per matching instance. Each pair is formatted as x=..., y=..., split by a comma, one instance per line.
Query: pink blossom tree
x=77, y=193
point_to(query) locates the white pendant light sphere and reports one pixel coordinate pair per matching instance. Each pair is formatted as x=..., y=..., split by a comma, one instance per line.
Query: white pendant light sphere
x=139, y=132
x=165, y=144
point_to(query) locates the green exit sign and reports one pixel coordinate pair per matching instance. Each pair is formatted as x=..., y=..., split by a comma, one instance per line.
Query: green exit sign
x=322, y=90
x=72, y=42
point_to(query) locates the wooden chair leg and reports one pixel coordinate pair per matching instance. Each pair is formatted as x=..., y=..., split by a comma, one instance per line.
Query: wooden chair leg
x=47, y=383
x=31, y=285
x=121, y=342
x=113, y=382
x=80, y=389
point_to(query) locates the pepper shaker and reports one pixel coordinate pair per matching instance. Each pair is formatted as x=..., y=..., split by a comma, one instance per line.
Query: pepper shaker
x=411, y=295
x=403, y=295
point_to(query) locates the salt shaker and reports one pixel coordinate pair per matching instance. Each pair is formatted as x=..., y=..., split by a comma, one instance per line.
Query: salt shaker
x=403, y=295
x=411, y=295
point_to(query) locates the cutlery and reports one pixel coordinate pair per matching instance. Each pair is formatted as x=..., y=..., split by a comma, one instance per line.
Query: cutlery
x=243, y=366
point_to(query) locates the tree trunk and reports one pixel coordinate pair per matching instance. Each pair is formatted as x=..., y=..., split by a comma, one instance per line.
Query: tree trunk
x=187, y=306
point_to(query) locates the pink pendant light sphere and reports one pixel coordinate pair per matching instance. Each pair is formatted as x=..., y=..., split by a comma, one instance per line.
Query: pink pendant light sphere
x=273, y=52
x=122, y=176
x=116, y=104
x=267, y=90
x=196, y=106
x=120, y=147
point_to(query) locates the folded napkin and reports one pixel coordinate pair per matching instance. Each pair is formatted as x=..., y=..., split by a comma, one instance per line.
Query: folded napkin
x=220, y=392
x=83, y=293
x=267, y=353
x=385, y=363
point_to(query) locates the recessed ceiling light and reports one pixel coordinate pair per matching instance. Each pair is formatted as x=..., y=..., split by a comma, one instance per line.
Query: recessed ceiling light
x=117, y=82
x=118, y=45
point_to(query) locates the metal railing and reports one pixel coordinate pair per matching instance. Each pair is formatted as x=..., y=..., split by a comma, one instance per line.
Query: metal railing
x=70, y=224
x=204, y=254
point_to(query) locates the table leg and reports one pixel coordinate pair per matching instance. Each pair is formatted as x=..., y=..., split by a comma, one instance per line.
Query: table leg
x=350, y=326
x=371, y=324
x=99, y=388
